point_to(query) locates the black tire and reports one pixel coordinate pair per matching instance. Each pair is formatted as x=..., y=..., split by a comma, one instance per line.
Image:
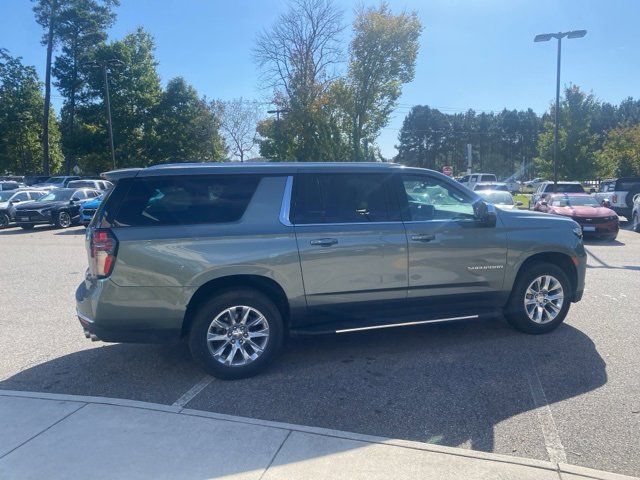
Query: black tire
x=515, y=312
x=636, y=222
x=199, y=346
x=63, y=220
x=630, y=195
x=26, y=226
x=612, y=237
x=4, y=220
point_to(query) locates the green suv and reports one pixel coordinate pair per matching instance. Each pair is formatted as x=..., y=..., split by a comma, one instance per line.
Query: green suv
x=234, y=257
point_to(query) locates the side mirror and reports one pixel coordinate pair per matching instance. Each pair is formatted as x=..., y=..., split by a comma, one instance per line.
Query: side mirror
x=544, y=203
x=519, y=203
x=485, y=214
x=606, y=203
x=592, y=190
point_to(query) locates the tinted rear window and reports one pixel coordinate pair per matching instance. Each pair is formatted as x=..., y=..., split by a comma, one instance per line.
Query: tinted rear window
x=488, y=178
x=342, y=198
x=186, y=200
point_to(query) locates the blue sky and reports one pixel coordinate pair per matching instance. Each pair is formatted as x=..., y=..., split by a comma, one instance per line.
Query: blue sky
x=473, y=54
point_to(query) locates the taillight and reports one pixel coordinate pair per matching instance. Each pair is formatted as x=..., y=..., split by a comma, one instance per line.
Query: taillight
x=103, y=247
x=614, y=198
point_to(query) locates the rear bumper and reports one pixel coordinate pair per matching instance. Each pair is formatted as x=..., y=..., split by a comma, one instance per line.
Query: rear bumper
x=112, y=313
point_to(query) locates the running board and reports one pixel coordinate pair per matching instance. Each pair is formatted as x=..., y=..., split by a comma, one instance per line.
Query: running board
x=406, y=324
x=346, y=324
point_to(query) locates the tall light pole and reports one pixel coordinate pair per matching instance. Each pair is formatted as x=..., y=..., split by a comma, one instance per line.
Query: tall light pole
x=545, y=37
x=278, y=135
x=104, y=64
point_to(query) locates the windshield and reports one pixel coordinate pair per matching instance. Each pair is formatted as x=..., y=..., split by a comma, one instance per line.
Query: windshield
x=575, y=201
x=5, y=196
x=56, y=180
x=57, y=196
x=497, y=198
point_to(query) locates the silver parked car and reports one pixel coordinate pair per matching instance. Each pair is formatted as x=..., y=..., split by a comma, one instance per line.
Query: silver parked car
x=234, y=257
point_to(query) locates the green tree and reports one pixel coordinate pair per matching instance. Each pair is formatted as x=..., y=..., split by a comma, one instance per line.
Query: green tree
x=382, y=55
x=187, y=128
x=21, y=109
x=82, y=26
x=297, y=56
x=620, y=155
x=576, y=141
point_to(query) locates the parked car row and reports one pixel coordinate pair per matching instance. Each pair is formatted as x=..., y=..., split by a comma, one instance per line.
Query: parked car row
x=59, y=207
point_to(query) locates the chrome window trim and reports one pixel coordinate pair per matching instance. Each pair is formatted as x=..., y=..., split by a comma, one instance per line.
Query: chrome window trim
x=285, y=208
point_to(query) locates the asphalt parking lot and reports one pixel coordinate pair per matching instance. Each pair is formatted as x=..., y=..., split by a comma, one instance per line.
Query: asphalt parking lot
x=574, y=393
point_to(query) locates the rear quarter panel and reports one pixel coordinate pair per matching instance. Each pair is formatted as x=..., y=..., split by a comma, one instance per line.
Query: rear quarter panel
x=191, y=255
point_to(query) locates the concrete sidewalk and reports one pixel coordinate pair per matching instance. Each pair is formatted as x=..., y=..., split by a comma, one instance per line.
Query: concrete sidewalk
x=67, y=436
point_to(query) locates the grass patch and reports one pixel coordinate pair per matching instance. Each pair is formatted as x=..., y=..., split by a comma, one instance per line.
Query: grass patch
x=524, y=198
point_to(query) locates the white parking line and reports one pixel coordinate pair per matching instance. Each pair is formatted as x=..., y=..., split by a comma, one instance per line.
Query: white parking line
x=552, y=442
x=187, y=396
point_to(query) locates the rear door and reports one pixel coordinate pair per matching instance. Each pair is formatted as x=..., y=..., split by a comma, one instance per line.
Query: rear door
x=350, y=236
x=452, y=257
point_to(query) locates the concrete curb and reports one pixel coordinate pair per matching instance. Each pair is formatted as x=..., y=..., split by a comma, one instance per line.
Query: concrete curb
x=458, y=452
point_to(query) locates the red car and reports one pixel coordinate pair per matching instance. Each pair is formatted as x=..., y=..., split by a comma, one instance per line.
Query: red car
x=595, y=220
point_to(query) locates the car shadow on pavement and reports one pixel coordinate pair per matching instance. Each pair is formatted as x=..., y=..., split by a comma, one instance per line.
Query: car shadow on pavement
x=450, y=384
x=75, y=230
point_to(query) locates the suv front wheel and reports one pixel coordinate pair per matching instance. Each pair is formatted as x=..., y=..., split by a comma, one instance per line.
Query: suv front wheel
x=236, y=334
x=540, y=299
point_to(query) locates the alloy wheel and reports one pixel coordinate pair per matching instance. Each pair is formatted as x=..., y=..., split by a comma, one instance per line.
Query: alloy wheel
x=4, y=220
x=64, y=219
x=543, y=299
x=238, y=336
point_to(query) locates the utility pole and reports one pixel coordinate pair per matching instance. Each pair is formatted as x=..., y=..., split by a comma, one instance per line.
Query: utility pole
x=278, y=111
x=545, y=37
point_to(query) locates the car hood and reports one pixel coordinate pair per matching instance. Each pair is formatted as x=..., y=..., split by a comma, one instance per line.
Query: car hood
x=583, y=211
x=505, y=207
x=39, y=205
x=516, y=218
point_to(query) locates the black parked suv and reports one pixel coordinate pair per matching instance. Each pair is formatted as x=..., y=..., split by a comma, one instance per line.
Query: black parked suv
x=59, y=207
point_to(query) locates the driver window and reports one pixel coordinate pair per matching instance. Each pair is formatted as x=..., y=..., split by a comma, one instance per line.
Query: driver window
x=433, y=199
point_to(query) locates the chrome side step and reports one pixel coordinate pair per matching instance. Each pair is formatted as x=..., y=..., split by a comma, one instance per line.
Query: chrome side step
x=407, y=324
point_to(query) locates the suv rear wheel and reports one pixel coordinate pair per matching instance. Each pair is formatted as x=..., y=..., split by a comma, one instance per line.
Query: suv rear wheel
x=540, y=299
x=4, y=220
x=236, y=334
x=636, y=222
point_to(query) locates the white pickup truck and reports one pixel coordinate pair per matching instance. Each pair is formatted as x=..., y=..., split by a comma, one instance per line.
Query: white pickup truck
x=470, y=180
x=619, y=192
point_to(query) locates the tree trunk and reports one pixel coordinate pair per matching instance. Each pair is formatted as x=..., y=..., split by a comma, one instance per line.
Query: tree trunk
x=47, y=94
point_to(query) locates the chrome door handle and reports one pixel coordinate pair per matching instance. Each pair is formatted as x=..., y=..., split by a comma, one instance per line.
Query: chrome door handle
x=423, y=237
x=324, y=242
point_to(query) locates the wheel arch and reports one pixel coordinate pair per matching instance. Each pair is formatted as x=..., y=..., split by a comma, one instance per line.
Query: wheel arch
x=265, y=285
x=559, y=259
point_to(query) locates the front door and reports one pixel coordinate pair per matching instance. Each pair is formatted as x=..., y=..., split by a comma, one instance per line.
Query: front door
x=453, y=258
x=351, y=239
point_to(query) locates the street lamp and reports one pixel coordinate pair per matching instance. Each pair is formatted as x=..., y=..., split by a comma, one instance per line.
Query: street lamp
x=278, y=136
x=104, y=64
x=545, y=37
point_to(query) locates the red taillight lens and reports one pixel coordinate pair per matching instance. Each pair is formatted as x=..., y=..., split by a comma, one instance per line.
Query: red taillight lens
x=102, y=252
